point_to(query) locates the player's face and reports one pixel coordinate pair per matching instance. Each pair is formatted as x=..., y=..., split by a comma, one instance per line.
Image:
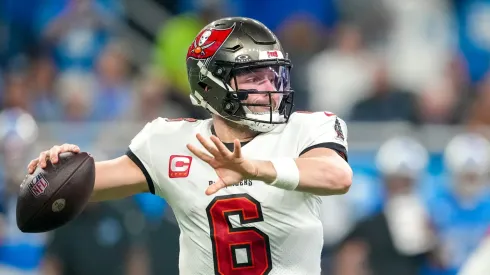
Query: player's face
x=399, y=184
x=470, y=184
x=267, y=79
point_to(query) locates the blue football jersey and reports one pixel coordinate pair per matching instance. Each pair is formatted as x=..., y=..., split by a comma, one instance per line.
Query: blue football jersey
x=459, y=228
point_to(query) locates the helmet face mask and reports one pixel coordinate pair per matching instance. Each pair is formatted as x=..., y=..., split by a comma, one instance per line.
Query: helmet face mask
x=260, y=93
x=246, y=80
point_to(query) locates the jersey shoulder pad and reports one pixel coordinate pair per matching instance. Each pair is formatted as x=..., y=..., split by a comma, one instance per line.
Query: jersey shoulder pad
x=156, y=136
x=319, y=128
x=312, y=119
x=170, y=126
x=164, y=127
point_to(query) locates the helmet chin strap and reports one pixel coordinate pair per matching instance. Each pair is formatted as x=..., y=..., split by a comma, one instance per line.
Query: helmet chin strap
x=255, y=126
x=261, y=126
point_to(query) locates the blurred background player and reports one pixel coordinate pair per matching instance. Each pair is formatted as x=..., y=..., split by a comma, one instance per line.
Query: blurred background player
x=398, y=238
x=111, y=231
x=459, y=208
x=20, y=253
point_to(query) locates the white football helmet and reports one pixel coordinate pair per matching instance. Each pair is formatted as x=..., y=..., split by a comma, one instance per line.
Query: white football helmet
x=468, y=153
x=402, y=156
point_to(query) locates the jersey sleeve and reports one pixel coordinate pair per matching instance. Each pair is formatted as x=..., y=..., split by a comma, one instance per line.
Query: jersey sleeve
x=139, y=151
x=324, y=130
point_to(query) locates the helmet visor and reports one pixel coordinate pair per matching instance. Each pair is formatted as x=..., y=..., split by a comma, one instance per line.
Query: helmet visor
x=262, y=89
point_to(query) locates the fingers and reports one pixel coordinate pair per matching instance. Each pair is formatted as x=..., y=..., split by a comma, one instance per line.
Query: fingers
x=57, y=150
x=237, y=150
x=208, y=145
x=216, y=147
x=32, y=165
x=43, y=158
x=71, y=148
x=200, y=154
x=51, y=154
x=221, y=147
x=215, y=187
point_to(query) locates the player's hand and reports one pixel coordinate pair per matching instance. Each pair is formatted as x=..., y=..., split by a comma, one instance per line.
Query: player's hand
x=230, y=167
x=51, y=155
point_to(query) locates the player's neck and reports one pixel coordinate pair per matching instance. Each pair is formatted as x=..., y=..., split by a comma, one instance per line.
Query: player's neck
x=228, y=131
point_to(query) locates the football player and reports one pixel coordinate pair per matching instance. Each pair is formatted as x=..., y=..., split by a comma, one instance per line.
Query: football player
x=459, y=210
x=244, y=185
x=397, y=239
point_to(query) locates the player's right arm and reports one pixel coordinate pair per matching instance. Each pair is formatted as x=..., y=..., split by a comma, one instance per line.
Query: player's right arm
x=133, y=173
x=118, y=178
x=114, y=179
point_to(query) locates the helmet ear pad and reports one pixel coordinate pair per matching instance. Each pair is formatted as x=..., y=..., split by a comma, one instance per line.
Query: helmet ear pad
x=231, y=103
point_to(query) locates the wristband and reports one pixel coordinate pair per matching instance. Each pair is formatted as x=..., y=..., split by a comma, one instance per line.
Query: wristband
x=287, y=173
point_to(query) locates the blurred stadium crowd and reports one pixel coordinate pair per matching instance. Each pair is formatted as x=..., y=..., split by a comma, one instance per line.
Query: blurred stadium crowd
x=407, y=76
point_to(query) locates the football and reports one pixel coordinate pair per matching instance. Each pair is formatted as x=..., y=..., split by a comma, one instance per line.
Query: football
x=51, y=197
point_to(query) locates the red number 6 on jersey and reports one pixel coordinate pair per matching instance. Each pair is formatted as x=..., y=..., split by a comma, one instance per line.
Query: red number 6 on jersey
x=238, y=250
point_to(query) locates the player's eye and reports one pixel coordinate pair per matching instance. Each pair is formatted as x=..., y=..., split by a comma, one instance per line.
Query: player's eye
x=252, y=79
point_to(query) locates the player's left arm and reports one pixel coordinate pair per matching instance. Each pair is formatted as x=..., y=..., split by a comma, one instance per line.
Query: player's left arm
x=322, y=162
x=322, y=171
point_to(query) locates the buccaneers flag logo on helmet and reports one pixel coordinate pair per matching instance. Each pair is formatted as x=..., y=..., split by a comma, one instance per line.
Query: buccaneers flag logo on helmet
x=208, y=42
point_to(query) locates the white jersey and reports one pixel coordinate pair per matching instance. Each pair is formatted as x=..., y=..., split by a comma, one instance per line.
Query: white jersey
x=251, y=228
x=478, y=263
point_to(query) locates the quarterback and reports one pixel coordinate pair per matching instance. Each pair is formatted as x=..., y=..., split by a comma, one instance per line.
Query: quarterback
x=245, y=184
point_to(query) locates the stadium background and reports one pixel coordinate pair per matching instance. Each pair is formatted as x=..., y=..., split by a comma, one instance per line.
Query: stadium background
x=93, y=72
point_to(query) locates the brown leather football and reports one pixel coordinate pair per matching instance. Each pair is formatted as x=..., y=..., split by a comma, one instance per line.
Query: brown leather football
x=51, y=197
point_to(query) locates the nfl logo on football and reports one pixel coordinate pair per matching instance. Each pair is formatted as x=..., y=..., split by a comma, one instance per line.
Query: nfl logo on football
x=38, y=185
